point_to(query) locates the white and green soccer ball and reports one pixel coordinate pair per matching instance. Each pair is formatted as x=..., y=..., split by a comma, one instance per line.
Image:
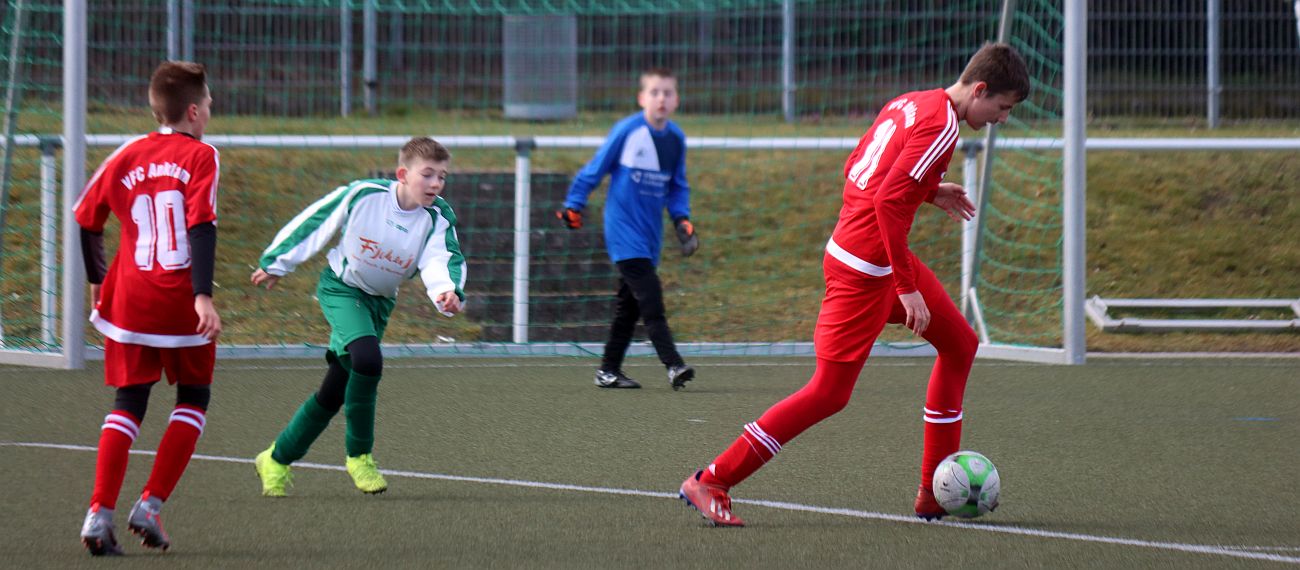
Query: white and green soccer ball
x=966, y=484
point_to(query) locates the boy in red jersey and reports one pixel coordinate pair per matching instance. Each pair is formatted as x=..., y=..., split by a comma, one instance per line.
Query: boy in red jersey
x=873, y=278
x=154, y=303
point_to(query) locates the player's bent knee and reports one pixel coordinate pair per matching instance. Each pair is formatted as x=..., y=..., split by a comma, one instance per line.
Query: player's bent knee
x=961, y=343
x=969, y=343
x=366, y=357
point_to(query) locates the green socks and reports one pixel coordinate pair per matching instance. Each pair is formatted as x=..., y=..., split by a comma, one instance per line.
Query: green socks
x=306, y=425
x=359, y=408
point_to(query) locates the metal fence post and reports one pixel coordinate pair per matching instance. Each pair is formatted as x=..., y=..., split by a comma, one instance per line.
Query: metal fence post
x=187, y=30
x=787, y=60
x=345, y=58
x=1213, y=46
x=369, y=74
x=523, y=226
x=173, y=29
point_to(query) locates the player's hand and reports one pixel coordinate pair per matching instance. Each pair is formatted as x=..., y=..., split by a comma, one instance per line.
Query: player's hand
x=571, y=218
x=94, y=295
x=261, y=277
x=447, y=303
x=686, y=234
x=209, y=321
x=918, y=314
x=952, y=199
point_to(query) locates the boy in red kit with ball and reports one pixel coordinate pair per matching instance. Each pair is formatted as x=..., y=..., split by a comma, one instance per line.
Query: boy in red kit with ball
x=154, y=304
x=872, y=278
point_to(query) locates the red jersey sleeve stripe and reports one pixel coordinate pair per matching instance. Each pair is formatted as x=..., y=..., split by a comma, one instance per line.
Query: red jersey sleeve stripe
x=216, y=177
x=938, y=148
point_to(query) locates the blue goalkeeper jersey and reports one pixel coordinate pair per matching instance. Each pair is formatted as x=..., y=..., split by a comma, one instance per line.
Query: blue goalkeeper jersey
x=647, y=169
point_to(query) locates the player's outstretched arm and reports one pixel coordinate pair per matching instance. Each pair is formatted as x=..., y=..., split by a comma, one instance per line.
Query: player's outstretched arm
x=951, y=198
x=209, y=320
x=261, y=278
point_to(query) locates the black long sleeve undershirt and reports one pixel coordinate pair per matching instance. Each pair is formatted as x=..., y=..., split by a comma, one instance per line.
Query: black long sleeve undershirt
x=203, y=252
x=92, y=254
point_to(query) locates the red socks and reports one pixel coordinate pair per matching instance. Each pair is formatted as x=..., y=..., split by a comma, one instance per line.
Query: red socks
x=120, y=430
x=750, y=451
x=174, y=452
x=826, y=393
x=942, y=438
x=118, y=433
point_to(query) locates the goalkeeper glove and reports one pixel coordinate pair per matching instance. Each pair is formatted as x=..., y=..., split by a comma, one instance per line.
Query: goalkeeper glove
x=571, y=218
x=686, y=235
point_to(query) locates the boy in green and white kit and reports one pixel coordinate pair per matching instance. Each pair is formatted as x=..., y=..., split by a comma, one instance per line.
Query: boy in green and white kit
x=391, y=230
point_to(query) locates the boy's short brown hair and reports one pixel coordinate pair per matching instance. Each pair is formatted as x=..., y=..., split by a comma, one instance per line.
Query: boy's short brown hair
x=175, y=86
x=1000, y=66
x=663, y=72
x=423, y=147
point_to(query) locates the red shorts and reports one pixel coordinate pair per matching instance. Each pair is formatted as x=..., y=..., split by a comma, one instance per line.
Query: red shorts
x=857, y=307
x=133, y=364
x=853, y=313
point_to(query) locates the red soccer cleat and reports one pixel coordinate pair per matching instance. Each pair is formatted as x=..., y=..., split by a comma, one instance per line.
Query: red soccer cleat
x=712, y=502
x=926, y=507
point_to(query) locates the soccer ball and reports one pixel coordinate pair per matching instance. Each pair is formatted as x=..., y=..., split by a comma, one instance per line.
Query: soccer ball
x=966, y=484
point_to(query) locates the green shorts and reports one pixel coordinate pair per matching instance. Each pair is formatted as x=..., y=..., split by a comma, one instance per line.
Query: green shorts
x=351, y=312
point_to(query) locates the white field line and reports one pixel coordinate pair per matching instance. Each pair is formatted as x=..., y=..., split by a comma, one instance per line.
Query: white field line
x=1251, y=552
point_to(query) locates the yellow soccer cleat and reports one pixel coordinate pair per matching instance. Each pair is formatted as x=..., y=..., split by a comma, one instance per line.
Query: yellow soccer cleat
x=366, y=475
x=274, y=475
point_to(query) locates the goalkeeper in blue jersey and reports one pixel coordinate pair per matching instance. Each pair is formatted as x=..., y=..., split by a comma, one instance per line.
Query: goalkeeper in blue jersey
x=391, y=229
x=645, y=158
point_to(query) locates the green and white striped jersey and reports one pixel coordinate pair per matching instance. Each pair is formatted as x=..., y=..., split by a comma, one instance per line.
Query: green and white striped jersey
x=382, y=244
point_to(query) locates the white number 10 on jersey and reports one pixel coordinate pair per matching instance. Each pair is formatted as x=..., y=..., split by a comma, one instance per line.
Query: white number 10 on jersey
x=161, y=224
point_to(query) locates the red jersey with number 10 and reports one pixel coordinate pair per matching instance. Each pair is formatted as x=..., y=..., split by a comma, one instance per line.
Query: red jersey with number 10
x=158, y=186
x=897, y=165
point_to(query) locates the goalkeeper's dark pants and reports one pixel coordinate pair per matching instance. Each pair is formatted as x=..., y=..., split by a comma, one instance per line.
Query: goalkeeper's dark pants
x=640, y=297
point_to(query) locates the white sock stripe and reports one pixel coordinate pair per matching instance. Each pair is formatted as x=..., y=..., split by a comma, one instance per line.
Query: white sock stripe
x=188, y=420
x=761, y=440
x=127, y=424
x=118, y=427
x=761, y=435
x=943, y=420
x=192, y=414
x=768, y=441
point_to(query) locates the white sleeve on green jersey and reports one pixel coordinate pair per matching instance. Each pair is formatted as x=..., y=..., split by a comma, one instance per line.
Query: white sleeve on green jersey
x=442, y=266
x=308, y=232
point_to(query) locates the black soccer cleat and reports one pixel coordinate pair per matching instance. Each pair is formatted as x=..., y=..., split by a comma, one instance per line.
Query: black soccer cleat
x=679, y=375
x=616, y=379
